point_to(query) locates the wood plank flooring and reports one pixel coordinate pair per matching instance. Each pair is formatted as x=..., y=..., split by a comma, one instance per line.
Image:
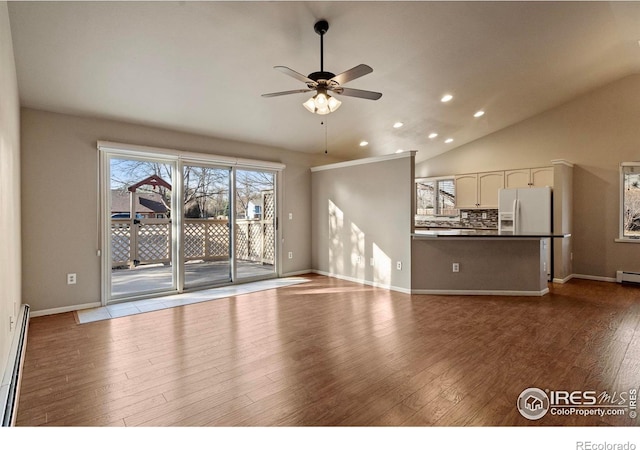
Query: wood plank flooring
x=331, y=352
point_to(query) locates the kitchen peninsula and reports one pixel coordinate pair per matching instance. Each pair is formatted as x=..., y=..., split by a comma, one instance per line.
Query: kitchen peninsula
x=479, y=262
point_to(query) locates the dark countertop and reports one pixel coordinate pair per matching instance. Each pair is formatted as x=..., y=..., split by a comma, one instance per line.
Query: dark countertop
x=436, y=227
x=480, y=233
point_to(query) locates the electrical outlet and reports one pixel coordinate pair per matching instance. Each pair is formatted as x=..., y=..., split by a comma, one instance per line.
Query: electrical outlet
x=484, y=215
x=399, y=265
x=372, y=262
x=359, y=259
x=455, y=267
x=71, y=278
x=290, y=255
x=290, y=216
x=465, y=215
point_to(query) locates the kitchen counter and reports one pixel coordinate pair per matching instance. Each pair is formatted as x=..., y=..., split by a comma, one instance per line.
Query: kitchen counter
x=457, y=233
x=479, y=262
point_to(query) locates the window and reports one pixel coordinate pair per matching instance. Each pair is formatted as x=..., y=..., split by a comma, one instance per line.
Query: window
x=630, y=200
x=436, y=197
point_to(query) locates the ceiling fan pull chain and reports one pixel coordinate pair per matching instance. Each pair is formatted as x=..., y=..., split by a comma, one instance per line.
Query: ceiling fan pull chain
x=325, y=136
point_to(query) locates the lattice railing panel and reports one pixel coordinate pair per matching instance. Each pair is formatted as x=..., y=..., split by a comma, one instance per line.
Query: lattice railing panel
x=269, y=205
x=120, y=243
x=203, y=239
x=242, y=240
x=194, y=240
x=269, y=251
x=255, y=241
x=154, y=242
x=218, y=240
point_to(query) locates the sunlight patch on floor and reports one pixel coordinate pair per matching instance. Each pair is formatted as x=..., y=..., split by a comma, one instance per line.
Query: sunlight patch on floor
x=171, y=301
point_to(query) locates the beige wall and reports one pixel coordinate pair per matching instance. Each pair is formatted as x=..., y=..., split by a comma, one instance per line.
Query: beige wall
x=596, y=132
x=10, y=289
x=60, y=194
x=364, y=210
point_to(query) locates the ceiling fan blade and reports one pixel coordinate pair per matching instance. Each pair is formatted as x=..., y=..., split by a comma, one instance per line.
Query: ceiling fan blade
x=369, y=95
x=352, y=74
x=297, y=91
x=294, y=74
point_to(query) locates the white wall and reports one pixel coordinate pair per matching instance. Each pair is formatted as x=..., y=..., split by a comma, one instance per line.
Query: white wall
x=10, y=286
x=364, y=210
x=596, y=132
x=60, y=194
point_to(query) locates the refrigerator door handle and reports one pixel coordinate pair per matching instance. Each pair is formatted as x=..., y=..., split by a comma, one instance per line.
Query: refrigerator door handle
x=516, y=216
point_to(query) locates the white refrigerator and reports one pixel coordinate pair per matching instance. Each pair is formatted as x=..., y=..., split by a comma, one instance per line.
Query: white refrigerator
x=527, y=211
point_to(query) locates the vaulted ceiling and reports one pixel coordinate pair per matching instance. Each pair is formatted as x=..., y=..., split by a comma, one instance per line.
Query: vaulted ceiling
x=202, y=66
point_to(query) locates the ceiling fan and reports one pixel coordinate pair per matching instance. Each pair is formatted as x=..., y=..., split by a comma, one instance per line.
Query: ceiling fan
x=322, y=82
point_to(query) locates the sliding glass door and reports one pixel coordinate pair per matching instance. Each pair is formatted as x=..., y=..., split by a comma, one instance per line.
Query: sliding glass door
x=140, y=228
x=255, y=224
x=173, y=224
x=206, y=225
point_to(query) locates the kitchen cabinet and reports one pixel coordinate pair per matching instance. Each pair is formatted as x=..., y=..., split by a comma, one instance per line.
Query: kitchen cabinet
x=536, y=177
x=478, y=190
x=466, y=191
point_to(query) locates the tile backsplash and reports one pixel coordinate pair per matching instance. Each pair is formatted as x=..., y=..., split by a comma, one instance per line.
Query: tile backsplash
x=473, y=220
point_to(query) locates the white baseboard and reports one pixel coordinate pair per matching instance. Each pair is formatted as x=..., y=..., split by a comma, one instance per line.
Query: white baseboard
x=562, y=280
x=296, y=273
x=472, y=292
x=64, y=309
x=594, y=278
x=365, y=282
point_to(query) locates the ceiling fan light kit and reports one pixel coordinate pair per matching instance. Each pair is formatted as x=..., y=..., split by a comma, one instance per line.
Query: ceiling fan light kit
x=322, y=82
x=322, y=103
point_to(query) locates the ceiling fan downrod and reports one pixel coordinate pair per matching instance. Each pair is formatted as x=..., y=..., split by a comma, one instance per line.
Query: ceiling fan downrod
x=321, y=27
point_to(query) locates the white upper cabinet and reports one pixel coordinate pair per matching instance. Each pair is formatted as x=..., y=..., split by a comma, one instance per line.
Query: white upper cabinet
x=542, y=176
x=521, y=178
x=466, y=191
x=478, y=190
x=488, y=185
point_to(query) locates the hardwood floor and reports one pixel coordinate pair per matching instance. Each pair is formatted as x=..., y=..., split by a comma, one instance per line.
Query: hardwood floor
x=330, y=352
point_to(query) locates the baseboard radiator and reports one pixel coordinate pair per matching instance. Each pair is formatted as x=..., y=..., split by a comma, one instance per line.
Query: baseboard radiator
x=627, y=277
x=10, y=387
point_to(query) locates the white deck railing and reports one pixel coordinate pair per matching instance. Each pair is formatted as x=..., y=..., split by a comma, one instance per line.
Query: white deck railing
x=204, y=239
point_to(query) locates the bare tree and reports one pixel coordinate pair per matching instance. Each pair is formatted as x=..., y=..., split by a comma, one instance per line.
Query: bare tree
x=249, y=188
x=206, y=190
x=631, y=218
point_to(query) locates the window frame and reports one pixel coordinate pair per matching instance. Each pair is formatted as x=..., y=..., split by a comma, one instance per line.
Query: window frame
x=626, y=168
x=437, y=215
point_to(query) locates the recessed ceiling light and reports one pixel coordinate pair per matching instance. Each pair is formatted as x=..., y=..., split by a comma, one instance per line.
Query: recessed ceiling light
x=433, y=135
x=363, y=143
x=479, y=113
x=446, y=98
x=397, y=124
x=448, y=141
x=399, y=150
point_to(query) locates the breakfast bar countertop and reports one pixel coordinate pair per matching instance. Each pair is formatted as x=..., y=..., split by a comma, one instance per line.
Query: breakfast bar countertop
x=457, y=233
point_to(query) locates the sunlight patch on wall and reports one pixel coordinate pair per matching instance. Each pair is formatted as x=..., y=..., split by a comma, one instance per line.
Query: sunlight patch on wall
x=357, y=251
x=381, y=266
x=336, y=244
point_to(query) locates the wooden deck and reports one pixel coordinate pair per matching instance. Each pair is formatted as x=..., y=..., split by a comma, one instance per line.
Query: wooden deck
x=127, y=282
x=330, y=352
